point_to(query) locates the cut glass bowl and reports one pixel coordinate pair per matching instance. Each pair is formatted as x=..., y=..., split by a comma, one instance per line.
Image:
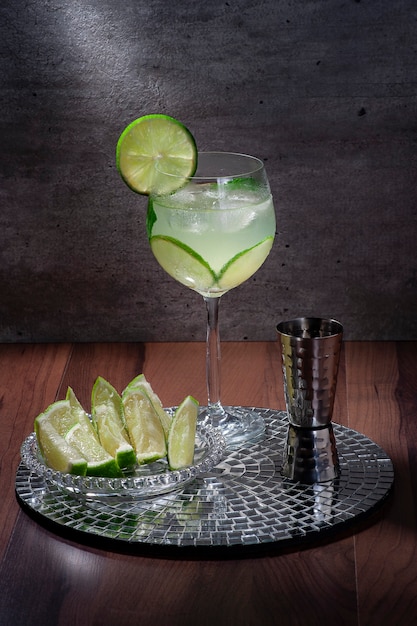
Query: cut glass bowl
x=142, y=482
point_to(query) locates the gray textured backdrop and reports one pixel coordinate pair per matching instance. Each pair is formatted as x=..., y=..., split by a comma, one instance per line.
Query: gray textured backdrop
x=324, y=91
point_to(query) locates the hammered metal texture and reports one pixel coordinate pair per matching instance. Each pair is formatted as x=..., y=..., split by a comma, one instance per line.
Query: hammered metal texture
x=243, y=501
x=310, y=361
x=311, y=455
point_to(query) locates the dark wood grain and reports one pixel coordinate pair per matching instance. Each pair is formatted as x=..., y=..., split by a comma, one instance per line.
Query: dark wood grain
x=118, y=363
x=367, y=576
x=386, y=554
x=30, y=376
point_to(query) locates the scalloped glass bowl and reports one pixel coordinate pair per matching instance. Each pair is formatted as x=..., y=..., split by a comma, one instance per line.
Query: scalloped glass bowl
x=143, y=482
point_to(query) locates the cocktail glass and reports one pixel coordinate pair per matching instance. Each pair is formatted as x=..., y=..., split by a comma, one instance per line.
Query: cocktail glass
x=211, y=235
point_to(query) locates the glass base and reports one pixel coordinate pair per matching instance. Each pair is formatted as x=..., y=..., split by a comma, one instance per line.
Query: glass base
x=239, y=425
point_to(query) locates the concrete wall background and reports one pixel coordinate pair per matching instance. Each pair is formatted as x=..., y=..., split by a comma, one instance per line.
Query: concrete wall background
x=324, y=91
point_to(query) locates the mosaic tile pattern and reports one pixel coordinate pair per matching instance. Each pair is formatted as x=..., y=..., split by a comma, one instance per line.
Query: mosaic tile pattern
x=244, y=500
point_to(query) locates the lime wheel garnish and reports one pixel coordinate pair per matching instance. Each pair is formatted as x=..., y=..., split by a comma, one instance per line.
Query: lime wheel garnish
x=156, y=154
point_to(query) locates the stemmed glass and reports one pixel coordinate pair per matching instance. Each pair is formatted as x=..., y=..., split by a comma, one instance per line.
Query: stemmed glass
x=211, y=235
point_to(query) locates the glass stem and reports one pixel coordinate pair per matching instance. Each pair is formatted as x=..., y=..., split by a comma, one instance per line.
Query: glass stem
x=213, y=357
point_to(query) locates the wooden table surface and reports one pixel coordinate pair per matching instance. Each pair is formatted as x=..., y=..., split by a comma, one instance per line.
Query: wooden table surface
x=365, y=576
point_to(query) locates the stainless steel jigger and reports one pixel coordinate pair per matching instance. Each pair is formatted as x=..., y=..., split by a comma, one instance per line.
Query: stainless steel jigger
x=310, y=349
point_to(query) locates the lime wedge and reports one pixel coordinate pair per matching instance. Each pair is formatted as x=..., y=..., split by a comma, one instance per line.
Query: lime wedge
x=108, y=418
x=83, y=436
x=57, y=453
x=140, y=382
x=181, y=438
x=144, y=426
x=182, y=263
x=151, y=147
x=244, y=264
x=99, y=462
x=61, y=417
x=79, y=414
x=70, y=432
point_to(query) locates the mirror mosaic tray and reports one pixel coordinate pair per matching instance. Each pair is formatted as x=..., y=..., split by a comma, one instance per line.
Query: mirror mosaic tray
x=242, y=501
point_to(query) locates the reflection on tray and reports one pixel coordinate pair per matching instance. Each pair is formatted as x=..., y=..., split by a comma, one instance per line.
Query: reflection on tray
x=241, y=501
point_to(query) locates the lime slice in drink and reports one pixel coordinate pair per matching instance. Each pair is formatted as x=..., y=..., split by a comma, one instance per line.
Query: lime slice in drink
x=182, y=263
x=181, y=438
x=151, y=147
x=244, y=264
x=144, y=426
x=140, y=382
x=56, y=451
x=108, y=418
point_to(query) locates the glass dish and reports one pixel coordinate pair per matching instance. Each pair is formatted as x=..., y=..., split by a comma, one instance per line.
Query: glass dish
x=143, y=482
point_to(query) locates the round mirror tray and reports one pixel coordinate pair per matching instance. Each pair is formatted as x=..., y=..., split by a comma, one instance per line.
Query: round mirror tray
x=241, y=501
